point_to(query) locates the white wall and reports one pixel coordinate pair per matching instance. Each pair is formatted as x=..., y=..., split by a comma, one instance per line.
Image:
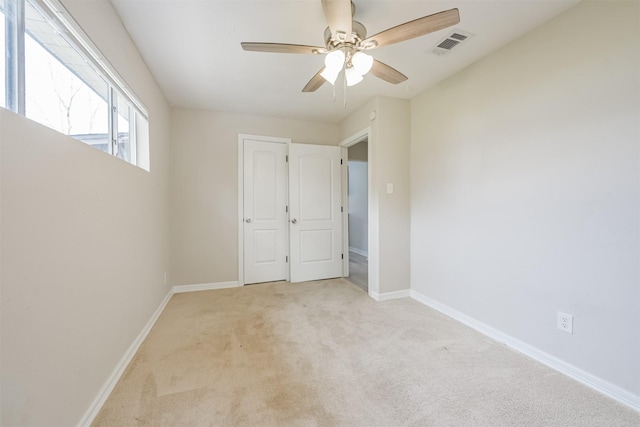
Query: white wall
x=525, y=190
x=358, y=200
x=84, y=246
x=204, y=188
x=393, y=117
x=389, y=213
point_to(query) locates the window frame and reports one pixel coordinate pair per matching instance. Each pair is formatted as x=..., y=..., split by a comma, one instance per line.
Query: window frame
x=62, y=21
x=114, y=129
x=14, y=55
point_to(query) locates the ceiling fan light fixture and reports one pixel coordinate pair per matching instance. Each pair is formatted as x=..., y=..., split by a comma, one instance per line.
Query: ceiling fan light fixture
x=346, y=39
x=352, y=76
x=330, y=75
x=362, y=62
x=334, y=61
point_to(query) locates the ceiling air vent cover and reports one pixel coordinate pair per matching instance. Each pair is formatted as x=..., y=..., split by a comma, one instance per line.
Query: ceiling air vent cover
x=454, y=39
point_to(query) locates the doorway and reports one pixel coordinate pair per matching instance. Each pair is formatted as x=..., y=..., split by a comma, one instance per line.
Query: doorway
x=358, y=213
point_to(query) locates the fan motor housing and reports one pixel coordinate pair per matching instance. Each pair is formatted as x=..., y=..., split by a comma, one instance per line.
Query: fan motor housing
x=358, y=33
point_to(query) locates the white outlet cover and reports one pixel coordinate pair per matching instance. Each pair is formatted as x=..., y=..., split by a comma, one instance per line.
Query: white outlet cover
x=565, y=322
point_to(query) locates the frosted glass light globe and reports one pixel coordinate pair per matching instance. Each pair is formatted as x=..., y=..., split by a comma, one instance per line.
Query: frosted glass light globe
x=362, y=62
x=330, y=75
x=334, y=60
x=353, y=77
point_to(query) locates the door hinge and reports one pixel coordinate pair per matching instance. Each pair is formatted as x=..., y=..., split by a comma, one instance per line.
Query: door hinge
x=286, y=158
x=286, y=259
x=342, y=256
x=286, y=209
x=341, y=208
x=340, y=161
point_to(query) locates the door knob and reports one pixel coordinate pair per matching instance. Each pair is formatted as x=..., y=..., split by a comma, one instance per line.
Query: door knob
x=293, y=221
x=248, y=220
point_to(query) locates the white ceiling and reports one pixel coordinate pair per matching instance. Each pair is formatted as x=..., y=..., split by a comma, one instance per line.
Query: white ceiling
x=193, y=49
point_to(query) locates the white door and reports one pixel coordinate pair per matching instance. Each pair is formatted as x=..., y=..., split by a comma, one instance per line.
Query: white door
x=315, y=218
x=265, y=211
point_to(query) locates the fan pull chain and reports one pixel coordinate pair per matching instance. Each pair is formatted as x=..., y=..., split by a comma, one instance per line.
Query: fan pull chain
x=334, y=93
x=344, y=75
x=345, y=88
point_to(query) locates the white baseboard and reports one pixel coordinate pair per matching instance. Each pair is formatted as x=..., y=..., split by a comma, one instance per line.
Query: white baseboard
x=390, y=295
x=204, y=287
x=113, y=379
x=618, y=394
x=359, y=251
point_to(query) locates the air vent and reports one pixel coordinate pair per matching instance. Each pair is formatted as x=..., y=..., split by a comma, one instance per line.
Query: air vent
x=458, y=37
x=448, y=44
x=454, y=39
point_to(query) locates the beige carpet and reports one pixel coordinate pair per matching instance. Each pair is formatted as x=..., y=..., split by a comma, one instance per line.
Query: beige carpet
x=325, y=354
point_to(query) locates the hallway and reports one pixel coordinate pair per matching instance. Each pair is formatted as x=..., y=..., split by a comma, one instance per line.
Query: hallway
x=358, y=270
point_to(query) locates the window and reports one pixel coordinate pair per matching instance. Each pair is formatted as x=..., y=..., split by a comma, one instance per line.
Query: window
x=66, y=83
x=62, y=90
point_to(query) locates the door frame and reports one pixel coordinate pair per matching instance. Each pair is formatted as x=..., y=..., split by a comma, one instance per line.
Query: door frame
x=372, y=214
x=240, y=216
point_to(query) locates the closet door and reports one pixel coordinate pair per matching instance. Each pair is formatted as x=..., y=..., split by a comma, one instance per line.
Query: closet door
x=315, y=219
x=266, y=237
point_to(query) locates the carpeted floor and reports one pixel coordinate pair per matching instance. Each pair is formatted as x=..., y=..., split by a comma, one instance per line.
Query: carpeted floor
x=325, y=354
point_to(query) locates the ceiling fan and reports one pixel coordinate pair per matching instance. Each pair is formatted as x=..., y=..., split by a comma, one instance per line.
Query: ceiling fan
x=346, y=42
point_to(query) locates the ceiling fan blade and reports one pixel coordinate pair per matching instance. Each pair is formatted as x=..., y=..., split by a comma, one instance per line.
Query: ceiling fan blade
x=282, y=48
x=338, y=14
x=315, y=82
x=387, y=73
x=415, y=28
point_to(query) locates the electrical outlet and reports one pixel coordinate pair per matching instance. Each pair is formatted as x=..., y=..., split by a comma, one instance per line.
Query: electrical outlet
x=565, y=322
